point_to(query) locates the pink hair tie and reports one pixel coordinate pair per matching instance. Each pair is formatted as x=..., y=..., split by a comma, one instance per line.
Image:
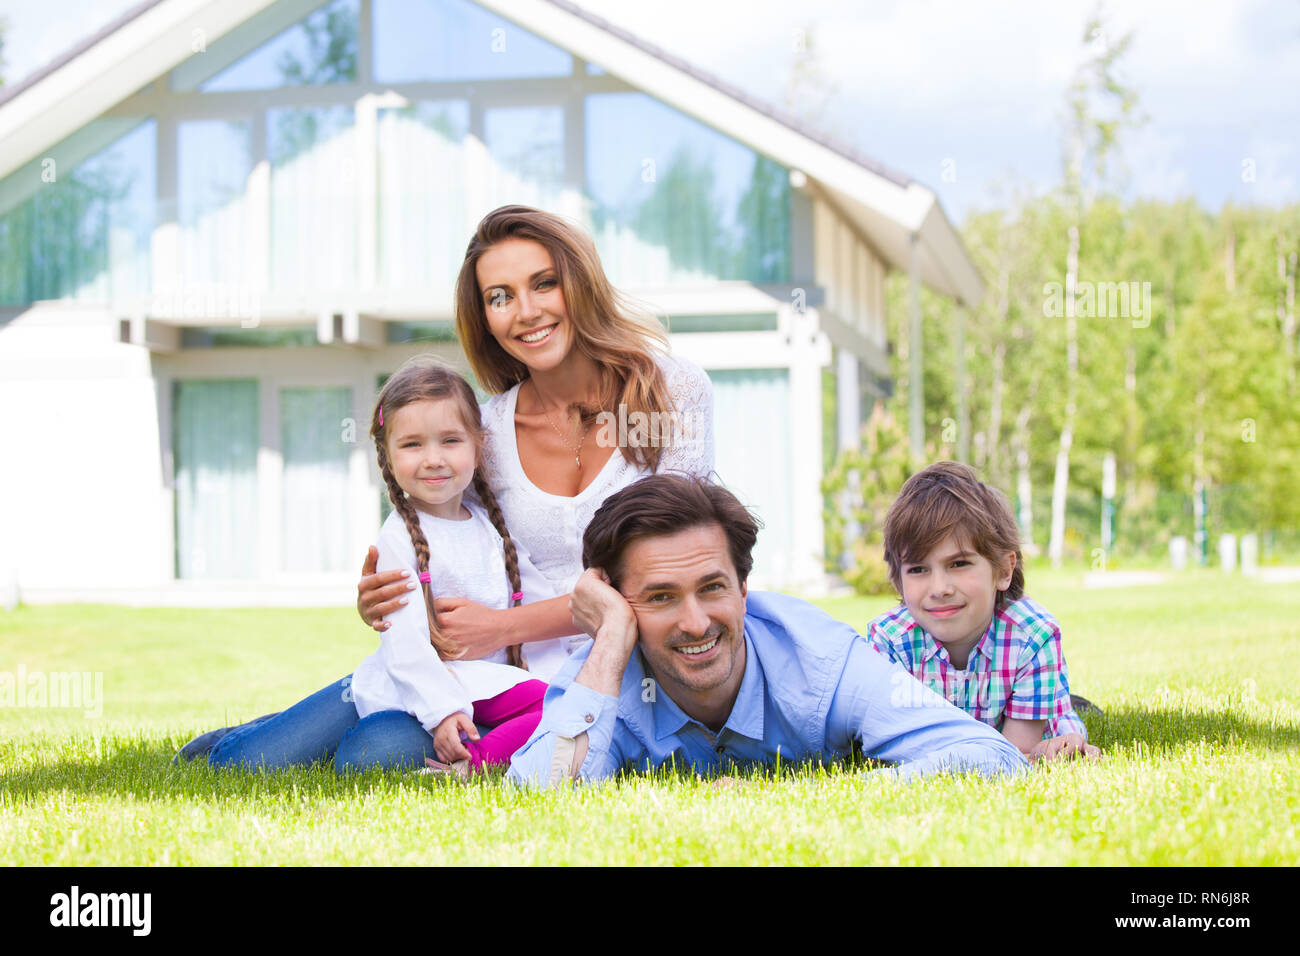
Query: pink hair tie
x=424, y=576
x=517, y=596
x=381, y=416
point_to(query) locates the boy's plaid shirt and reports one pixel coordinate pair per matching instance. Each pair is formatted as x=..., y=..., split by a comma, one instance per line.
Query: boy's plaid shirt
x=1016, y=670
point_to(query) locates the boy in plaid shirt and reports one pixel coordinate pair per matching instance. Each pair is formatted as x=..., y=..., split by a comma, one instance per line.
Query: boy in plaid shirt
x=965, y=628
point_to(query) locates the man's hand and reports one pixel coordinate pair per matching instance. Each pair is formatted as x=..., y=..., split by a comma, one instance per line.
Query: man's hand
x=446, y=737
x=475, y=631
x=603, y=613
x=1066, y=745
x=379, y=595
x=594, y=602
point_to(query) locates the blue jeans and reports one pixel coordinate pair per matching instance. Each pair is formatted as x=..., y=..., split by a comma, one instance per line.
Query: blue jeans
x=323, y=726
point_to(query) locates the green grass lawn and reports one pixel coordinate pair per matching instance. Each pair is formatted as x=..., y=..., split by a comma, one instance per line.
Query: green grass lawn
x=1201, y=731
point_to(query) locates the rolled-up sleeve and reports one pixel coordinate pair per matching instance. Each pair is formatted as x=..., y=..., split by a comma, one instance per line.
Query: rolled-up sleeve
x=898, y=719
x=570, y=711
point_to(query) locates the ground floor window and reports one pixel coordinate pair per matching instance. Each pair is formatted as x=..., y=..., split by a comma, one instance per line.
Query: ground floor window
x=215, y=442
x=314, y=433
x=751, y=416
x=223, y=503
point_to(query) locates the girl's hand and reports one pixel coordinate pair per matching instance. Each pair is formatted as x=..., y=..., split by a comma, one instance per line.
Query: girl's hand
x=477, y=631
x=1066, y=745
x=379, y=595
x=446, y=737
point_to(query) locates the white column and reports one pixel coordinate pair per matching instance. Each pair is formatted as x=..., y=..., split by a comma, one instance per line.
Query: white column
x=367, y=119
x=848, y=399
x=809, y=354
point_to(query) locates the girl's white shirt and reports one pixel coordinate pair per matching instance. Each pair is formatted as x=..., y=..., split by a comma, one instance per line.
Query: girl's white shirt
x=467, y=560
x=551, y=526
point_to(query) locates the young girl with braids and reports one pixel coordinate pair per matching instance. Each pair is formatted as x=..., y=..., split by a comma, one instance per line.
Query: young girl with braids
x=428, y=438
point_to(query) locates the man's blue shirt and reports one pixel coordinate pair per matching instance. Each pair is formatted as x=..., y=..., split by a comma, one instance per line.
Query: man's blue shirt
x=812, y=687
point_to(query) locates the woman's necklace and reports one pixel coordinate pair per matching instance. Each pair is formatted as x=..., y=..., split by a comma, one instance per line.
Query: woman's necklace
x=577, y=451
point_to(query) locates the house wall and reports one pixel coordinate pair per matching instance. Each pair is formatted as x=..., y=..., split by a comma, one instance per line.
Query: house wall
x=852, y=274
x=80, y=487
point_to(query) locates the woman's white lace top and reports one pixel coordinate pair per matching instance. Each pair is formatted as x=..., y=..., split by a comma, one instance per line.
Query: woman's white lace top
x=551, y=526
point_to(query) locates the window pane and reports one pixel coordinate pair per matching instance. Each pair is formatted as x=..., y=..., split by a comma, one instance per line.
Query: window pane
x=674, y=200
x=456, y=40
x=422, y=219
x=81, y=231
x=320, y=49
x=213, y=164
x=215, y=429
x=313, y=198
x=218, y=337
x=526, y=145
x=315, y=496
x=751, y=414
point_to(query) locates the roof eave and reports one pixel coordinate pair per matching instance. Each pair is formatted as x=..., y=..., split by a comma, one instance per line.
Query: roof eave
x=886, y=206
x=99, y=74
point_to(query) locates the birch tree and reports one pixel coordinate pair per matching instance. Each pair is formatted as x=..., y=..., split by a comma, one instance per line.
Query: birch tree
x=1098, y=108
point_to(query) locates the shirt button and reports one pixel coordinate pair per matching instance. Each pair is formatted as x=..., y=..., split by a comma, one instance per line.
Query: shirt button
x=589, y=718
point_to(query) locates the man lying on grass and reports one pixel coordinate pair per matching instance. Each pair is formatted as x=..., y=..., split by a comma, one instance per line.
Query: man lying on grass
x=688, y=666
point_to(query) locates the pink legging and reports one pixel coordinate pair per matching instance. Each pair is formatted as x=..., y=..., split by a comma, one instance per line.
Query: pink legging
x=513, y=716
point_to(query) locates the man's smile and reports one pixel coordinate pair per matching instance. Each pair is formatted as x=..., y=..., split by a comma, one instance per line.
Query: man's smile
x=697, y=650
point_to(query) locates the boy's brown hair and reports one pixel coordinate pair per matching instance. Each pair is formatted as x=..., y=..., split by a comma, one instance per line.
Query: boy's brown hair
x=948, y=498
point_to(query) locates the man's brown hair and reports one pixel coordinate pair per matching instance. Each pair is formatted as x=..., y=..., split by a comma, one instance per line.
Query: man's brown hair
x=948, y=498
x=662, y=505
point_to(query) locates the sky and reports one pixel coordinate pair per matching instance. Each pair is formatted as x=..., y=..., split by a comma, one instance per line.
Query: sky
x=965, y=96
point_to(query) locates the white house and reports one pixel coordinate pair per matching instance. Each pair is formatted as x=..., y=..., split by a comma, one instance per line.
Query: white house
x=222, y=222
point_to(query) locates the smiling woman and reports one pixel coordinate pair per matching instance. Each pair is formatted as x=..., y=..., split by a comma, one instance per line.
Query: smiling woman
x=558, y=346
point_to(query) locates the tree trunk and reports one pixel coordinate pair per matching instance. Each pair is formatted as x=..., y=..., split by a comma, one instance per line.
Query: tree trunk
x=995, y=412
x=1024, y=483
x=1132, y=427
x=999, y=365
x=1060, y=484
x=1230, y=261
x=1286, y=267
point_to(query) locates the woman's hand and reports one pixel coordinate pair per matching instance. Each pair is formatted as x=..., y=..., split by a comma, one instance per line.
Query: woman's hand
x=476, y=631
x=446, y=737
x=378, y=594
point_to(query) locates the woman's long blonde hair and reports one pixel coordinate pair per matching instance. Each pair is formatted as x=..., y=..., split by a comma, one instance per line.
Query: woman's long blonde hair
x=606, y=330
x=421, y=378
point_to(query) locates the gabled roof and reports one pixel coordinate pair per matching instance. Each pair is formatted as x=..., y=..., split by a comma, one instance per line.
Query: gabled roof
x=154, y=37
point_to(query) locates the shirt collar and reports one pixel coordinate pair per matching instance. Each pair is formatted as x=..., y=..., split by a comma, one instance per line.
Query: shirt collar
x=983, y=646
x=746, y=717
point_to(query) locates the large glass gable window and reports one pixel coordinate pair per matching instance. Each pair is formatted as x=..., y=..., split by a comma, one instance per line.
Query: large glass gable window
x=79, y=228
x=527, y=149
x=674, y=200
x=314, y=198
x=429, y=40
x=213, y=163
x=421, y=194
x=320, y=49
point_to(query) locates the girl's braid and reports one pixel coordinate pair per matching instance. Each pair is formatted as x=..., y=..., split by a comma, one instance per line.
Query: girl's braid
x=404, y=508
x=514, y=652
